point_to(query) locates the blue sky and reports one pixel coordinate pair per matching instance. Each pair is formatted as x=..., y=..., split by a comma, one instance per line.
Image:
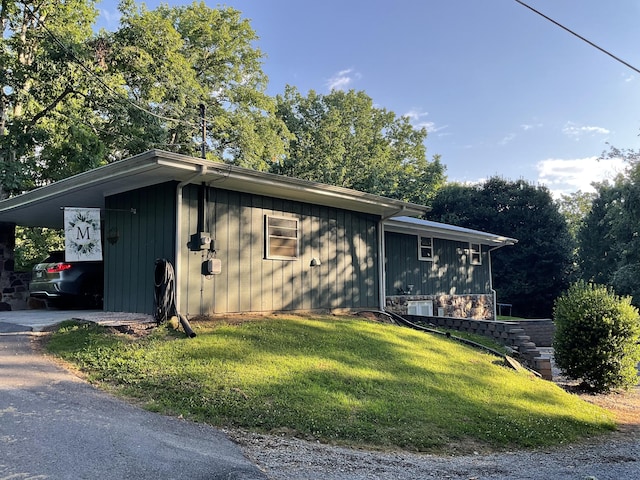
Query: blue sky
x=501, y=90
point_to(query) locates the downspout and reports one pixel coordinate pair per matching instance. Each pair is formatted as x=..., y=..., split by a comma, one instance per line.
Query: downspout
x=177, y=260
x=382, y=298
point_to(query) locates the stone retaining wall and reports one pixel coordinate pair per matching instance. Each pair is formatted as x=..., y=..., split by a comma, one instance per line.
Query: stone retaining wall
x=510, y=334
x=540, y=331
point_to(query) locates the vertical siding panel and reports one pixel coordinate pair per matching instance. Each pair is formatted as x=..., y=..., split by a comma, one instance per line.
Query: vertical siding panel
x=334, y=292
x=217, y=282
x=316, y=251
x=256, y=262
x=340, y=276
x=245, y=253
x=324, y=293
x=374, y=258
x=305, y=271
x=268, y=266
x=233, y=246
x=222, y=229
x=289, y=266
x=190, y=255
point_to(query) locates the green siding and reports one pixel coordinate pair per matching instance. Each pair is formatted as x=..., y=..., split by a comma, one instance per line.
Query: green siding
x=449, y=273
x=143, y=237
x=344, y=241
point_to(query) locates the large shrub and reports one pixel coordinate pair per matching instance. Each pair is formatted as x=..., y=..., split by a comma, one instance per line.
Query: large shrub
x=596, y=339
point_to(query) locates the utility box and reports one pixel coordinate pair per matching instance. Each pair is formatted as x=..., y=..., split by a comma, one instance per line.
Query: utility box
x=213, y=266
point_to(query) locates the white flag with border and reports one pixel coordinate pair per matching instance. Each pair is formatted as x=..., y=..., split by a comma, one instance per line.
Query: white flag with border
x=82, y=234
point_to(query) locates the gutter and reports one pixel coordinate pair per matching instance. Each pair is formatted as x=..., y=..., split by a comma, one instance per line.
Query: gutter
x=178, y=239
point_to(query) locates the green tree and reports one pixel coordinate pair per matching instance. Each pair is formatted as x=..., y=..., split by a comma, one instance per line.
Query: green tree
x=71, y=99
x=609, y=241
x=575, y=207
x=343, y=139
x=203, y=56
x=532, y=273
x=597, y=335
x=33, y=245
x=43, y=90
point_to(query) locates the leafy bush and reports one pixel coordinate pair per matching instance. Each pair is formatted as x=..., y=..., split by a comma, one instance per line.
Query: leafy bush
x=596, y=337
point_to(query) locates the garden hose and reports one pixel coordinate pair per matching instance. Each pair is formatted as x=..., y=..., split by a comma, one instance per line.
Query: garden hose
x=165, y=296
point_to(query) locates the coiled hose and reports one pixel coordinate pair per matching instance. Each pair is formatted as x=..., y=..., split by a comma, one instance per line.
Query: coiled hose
x=165, y=296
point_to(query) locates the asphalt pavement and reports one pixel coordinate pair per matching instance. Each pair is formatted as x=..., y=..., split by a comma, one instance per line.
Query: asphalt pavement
x=53, y=425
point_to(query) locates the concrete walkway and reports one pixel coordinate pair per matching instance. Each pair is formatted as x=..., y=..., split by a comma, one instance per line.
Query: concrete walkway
x=54, y=425
x=36, y=320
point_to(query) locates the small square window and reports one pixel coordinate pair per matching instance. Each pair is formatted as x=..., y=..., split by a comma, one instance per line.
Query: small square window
x=425, y=248
x=281, y=236
x=475, y=253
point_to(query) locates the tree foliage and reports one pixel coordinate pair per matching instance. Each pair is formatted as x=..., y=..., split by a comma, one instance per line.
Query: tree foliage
x=575, y=207
x=43, y=90
x=597, y=335
x=34, y=244
x=71, y=99
x=609, y=240
x=342, y=139
x=532, y=273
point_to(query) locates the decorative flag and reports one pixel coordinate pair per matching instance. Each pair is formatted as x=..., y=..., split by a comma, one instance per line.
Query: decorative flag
x=82, y=234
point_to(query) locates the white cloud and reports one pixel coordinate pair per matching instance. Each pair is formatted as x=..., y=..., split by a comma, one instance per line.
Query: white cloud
x=576, y=131
x=416, y=118
x=343, y=79
x=507, y=139
x=564, y=176
x=528, y=126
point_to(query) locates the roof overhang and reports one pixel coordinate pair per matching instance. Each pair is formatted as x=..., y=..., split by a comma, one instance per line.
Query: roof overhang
x=42, y=207
x=415, y=226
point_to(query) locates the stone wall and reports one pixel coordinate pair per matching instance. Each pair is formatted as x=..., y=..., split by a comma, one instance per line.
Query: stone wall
x=13, y=286
x=510, y=334
x=478, y=306
x=540, y=331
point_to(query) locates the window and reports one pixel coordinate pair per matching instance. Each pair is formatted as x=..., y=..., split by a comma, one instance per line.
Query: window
x=425, y=248
x=281, y=237
x=475, y=253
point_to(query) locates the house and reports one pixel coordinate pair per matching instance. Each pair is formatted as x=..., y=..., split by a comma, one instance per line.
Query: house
x=248, y=241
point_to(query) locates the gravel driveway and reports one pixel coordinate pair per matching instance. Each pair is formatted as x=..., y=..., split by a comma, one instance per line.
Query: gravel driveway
x=615, y=458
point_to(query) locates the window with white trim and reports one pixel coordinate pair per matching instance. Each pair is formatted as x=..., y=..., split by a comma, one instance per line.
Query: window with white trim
x=425, y=248
x=475, y=254
x=281, y=236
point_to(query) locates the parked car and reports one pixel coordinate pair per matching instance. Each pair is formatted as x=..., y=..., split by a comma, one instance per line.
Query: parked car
x=68, y=284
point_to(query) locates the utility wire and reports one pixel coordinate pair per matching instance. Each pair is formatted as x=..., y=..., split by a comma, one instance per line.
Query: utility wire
x=98, y=79
x=579, y=36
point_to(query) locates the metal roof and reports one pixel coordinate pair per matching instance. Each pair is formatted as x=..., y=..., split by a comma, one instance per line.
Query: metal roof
x=416, y=226
x=42, y=206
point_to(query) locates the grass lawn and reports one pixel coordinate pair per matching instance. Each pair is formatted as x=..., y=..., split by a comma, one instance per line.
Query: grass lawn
x=338, y=380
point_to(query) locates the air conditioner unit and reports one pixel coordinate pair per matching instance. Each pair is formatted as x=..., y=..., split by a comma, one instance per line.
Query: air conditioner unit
x=423, y=308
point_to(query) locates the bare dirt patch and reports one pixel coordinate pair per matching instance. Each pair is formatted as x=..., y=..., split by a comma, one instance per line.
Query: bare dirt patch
x=624, y=405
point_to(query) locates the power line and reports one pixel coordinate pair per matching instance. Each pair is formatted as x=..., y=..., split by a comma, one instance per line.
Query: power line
x=579, y=36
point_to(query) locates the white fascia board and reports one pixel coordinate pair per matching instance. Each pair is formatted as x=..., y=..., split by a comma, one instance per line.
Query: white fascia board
x=414, y=226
